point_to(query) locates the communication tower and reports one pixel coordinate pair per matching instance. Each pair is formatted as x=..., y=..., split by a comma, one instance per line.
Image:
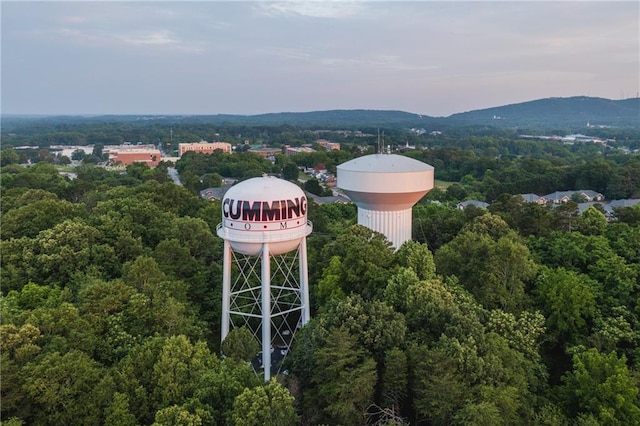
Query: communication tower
x=264, y=277
x=385, y=187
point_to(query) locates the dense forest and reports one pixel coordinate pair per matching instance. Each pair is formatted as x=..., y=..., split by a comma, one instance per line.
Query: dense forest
x=519, y=314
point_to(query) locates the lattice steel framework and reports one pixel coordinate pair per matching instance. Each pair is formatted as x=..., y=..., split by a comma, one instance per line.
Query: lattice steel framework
x=266, y=290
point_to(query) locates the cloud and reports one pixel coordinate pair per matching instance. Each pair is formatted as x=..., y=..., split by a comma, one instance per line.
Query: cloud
x=377, y=62
x=153, y=38
x=107, y=25
x=75, y=19
x=161, y=39
x=134, y=39
x=313, y=9
x=284, y=52
x=374, y=62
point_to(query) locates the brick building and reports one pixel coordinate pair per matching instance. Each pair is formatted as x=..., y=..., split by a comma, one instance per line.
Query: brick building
x=129, y=154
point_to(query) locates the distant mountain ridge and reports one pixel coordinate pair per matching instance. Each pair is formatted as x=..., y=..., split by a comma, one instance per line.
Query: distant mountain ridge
x=545, y=113
x=548, y=113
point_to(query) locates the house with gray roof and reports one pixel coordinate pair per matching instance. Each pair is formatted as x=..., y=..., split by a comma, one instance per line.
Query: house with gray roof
x=214, y=193
x=339, y=198
x=559, y=197
x=532, y=198
x=475, y=203
x=609, y=206
x=630, y=202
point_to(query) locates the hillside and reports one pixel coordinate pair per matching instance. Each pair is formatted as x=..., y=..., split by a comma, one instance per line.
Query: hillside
x=554, y=112
x=542, y=113
x=345, y=118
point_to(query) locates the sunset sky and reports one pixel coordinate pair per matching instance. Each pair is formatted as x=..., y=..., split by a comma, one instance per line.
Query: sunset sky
x=237, y=57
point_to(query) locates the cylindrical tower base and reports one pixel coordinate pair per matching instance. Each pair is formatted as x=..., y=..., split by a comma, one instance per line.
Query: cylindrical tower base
x=395, y=225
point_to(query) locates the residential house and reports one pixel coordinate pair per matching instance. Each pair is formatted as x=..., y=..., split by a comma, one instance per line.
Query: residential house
x=533, y=198
x=560, y=197
x=214, y=193
x=339, y=198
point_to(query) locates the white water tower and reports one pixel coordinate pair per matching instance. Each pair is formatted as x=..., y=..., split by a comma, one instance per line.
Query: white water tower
x=385, y=187
x=264, y=276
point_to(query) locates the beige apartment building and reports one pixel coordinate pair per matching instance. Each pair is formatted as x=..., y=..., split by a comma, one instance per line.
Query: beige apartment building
x=204, y=147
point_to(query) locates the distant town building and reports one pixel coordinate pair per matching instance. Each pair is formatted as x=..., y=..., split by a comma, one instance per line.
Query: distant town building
x=581, y=138
x=266, y=152
x=568, y=139
x=204, y=147
x=129, y=154
x=329, y=146
x=293, y=150
x=65, y=150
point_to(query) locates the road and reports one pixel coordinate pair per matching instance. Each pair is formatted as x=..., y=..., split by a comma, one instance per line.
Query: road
x=173, y=174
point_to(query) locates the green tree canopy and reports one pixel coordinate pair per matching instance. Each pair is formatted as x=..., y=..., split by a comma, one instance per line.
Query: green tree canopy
x=269, y=405
x=601, y=385
x=365, y=257
x=491, y=261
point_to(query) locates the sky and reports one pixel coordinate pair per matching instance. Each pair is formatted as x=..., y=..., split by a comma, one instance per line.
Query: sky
x=240, y=57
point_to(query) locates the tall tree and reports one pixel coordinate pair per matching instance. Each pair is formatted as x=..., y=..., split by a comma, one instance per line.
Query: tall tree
x=290, y=171
x=591, y=222
x=176, y=416
x=394, y=381
x=269, y=405
x=345, y=378
x=118, y=413
x=602, y=386
x=240, y=344
x=418, y=257
x=491, y=261
x=64, y=389
x=366, y=256
x=375, y=324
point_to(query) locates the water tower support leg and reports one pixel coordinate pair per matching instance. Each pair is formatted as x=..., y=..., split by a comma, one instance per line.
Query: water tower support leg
x=226, y=290
x=304, y=283
x=266, y=312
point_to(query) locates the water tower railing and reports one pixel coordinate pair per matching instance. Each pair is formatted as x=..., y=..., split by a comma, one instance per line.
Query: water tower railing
x=259, y=236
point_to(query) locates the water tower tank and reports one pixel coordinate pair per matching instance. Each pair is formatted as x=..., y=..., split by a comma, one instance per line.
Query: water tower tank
x=264, y=222
x=264, y=210
x=385, y=187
